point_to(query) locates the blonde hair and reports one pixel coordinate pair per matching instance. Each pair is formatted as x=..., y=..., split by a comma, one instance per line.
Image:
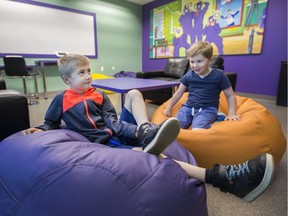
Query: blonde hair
x=201, y=47
x=67, y=63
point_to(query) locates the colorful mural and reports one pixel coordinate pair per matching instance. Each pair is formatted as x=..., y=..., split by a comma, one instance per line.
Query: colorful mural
x=233, y=27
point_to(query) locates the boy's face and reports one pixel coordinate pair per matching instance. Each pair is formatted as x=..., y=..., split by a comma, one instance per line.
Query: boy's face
x=200, y=64
x=80, y=79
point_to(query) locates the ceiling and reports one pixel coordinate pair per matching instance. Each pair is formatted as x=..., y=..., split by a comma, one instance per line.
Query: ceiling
x=140, y=2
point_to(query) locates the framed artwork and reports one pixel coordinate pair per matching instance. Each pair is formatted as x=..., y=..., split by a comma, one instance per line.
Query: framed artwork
x=233, y=27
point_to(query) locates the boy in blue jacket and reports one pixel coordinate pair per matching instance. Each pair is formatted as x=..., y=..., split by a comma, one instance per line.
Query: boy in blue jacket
x=89, y=112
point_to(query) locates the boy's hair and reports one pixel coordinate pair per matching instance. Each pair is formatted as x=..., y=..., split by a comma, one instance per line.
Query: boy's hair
x=67, y=63
x=201, y=47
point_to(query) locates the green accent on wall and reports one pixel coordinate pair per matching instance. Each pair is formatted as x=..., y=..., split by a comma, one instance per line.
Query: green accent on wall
x=119, y=41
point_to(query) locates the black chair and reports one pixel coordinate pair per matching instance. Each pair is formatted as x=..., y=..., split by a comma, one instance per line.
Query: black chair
x=16, y=66
x=2, y=84
x=218, y=62
x=175, y=68
x=14, y=112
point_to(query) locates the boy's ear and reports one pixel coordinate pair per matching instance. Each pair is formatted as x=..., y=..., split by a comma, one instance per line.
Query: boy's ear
x=66, y=79
x=210, y=61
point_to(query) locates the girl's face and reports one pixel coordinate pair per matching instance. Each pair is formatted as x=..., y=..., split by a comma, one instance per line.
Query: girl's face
x=80, y=79
x=200, y=64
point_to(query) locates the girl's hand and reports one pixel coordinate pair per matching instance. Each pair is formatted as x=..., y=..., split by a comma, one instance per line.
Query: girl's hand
x=166, y=112
x=232, y=118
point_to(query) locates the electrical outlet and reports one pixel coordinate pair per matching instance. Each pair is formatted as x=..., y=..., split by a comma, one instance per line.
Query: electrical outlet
x=113, y=67
x=101, y=68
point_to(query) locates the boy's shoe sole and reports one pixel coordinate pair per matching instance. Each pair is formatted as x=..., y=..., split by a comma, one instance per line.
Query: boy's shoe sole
x=269, y=172
x=167, y=133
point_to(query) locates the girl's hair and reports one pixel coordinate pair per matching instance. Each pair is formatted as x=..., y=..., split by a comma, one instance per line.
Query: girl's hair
x=68, y=63
x=201, y=47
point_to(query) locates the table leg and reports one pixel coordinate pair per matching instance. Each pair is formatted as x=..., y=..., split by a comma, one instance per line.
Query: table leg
x=44, y=79
x=122, y=100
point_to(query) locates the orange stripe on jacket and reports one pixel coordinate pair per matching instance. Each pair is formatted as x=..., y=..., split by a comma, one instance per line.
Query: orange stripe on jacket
x=72, y=98
x=88, y=116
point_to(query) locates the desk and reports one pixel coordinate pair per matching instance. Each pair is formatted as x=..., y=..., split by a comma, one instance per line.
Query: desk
x=124, y=84
x=41, y=64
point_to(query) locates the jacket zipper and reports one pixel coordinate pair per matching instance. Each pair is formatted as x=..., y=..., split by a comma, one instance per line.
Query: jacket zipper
x=87, y=113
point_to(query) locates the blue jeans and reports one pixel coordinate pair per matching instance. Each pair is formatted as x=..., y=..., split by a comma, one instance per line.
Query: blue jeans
x=198, y=117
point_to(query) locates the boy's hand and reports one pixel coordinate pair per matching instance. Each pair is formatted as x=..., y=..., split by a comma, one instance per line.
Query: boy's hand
x=166, y=112
x=232, y=118
x=30, y=131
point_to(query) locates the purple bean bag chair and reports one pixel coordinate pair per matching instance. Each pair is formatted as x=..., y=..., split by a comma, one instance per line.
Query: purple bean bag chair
x=61, y=173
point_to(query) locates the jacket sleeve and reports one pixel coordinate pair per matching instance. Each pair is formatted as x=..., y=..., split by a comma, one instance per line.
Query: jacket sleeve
x=119, y=128
x=54, y=114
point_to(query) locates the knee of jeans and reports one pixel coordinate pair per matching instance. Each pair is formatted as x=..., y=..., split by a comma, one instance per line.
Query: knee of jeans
x=204, y=124
x=184, y=125
x=184, y=120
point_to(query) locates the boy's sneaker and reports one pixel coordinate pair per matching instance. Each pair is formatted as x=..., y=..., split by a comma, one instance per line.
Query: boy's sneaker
x=155, y=138
x=247, y=180
x=220, y=116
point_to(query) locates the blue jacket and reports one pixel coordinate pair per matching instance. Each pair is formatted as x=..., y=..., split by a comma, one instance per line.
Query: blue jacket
x=91, y=114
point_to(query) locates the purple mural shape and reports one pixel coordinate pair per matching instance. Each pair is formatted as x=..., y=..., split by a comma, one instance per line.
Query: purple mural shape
x=262, y=22
x=192, y=25
x=198, y=19
x=212, y=31
x=186, y=23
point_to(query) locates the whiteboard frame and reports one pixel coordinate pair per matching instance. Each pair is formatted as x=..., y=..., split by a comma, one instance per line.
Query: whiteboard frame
x=85, y=21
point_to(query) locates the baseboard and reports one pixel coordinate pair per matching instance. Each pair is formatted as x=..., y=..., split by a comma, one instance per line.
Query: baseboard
x=256, y=96
x=50, y=94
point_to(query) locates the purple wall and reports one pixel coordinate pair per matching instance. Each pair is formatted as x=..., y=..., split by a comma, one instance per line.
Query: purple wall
x=257, y=74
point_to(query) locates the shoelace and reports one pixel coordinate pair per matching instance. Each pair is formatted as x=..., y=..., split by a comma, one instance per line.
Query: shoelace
x=237, y=171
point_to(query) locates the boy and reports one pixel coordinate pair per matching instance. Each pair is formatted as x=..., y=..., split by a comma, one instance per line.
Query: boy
x=204, y=86
x=90, y=113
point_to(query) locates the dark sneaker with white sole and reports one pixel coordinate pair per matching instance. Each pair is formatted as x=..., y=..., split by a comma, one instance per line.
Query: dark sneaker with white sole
x=247, y=180
x=155, y=138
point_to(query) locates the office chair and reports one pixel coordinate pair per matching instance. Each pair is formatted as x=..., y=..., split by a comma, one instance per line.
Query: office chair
x=16, y=66
x=2, y=84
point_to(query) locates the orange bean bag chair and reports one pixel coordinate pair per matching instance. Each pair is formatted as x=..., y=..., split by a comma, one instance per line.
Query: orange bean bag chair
x=227, y=142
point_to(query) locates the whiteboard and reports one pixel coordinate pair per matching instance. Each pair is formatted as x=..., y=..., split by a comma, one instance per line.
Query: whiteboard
x=34, y=29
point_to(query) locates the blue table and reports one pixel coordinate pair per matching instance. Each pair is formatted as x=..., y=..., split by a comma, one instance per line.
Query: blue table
x=124, y=84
